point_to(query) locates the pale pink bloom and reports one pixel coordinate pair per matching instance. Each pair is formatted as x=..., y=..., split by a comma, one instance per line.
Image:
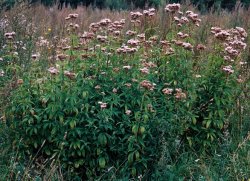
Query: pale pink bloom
x=231, y=51
x=128, y=112
x=114, y=90
x=149, y=64
x=187, y=46
x=200, y=47
x=242, y=31
x=130, y=32
x=243, y=63
x=128, y=84
x=222, y=35
x=105, y=22
x=35, y=56
x=147, y=85
x=182, y=35
x=133, y=42
x=10, y=35
x=141, y=36
x=173, y=8
x=134, y=80
x=228, y=58
x=98, y=87
x=117, y=33
x=135, y=15
x=228, y=69
x=103, y=105
x=180, y=94
x=53, y=70
x=1, y=73
x=102, y=38
x=167, y=91
x=238, y=44
x=127, y=67
x=144, y=70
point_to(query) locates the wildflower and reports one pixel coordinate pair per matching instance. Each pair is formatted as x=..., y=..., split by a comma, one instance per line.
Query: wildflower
x=135, y=15
x=130, y=32
x=193, y=17
x=101, y=38
x=200, y=47
x=150, y=12
x=128, y=84
x=231, y=52
x=147, y=85
x=1, y=73
x=182, y=35
x=62, y=57
x=114, y=90
x=167, y=91
x=222, y=35
x=173, y=8
x=105, y=22
x=98, y=87
x=169, y=51
x=133, y=42
x=228, y=69
x=237, y=44
x=187, y=46
x=144, y=70
x=117, y=33
x=242, y=31
x=10, y=35
x=215, y=30
x=128, y=112
x=134, y=80
x=243, y=63
x=103, y=105
x=71, y=16
x=69, y=74
x=34, y=56
x=1, y=59
x=127, y=67
x=228, y=58
x=149, y=64
x=53, y=70
x=180, y=94
x=20, y=81
x=141, y=37
x=165, y=43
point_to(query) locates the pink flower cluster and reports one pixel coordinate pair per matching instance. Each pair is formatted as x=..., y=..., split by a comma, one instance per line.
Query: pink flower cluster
x=103, y=105
x=147, y=85
x=173, y=8
x=69, y=74
x=149, y=13
x=53, y=70
x=135, y=15
x=72, y=16
x=10, y=35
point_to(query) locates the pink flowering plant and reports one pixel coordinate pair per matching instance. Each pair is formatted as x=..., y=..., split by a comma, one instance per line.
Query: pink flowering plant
x=111, y=95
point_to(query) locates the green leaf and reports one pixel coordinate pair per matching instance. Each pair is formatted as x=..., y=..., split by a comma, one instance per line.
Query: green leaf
x=131, y=158
x=102, y=162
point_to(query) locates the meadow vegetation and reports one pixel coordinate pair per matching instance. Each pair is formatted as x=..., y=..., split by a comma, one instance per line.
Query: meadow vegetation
x=90, y=94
